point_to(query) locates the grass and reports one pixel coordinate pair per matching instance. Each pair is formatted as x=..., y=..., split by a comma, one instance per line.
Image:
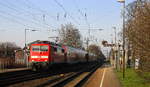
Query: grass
x=145, y=75
x=132, y=79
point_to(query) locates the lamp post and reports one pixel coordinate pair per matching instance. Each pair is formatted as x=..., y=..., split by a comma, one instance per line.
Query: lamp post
x=26, y=34
x=25, y=56
x=123, y=47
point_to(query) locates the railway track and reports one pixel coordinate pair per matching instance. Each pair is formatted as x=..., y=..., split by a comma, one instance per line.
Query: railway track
x=15, y=74
x=63, y=82
x=8, y=80
x=54, y=79
x=81, y=82
x=72, y=78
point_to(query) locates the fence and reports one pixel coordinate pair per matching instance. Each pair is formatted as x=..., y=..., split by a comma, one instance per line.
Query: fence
x=20, y=58
x=6, y=63
x=20, y=62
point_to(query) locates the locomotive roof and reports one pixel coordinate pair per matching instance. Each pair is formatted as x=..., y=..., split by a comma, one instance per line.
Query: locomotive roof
x=43, y=42
x=54, y=44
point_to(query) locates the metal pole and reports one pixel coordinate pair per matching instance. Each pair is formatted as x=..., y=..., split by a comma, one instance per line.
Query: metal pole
x=25, y=48
x=88, y=39
x=124, y=39
x=25, y=53
x=25, y=38
x=25, y=56
x=116, y=59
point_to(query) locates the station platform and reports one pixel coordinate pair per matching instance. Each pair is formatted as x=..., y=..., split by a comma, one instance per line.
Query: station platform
x=12, y=70
x=103, y=77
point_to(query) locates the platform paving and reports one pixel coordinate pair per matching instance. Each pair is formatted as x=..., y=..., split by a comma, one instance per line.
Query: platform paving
x=12, y=70
x=103, y=77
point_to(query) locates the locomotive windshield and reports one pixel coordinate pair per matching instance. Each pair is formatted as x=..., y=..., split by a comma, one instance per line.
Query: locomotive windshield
x=40, y=48
x=35, y=48
x=43, y=48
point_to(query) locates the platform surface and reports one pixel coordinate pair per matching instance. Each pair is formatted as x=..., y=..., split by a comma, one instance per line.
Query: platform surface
x=103, y=77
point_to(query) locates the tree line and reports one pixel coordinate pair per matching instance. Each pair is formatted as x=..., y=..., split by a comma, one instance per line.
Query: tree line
x=7, y=49
x=137, y=33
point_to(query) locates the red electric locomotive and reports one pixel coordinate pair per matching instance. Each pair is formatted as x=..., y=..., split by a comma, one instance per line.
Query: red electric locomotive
x=44, y=53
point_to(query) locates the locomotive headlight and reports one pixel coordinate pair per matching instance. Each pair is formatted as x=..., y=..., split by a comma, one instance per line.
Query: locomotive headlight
x=44, y=56
x=32, y=60
x=34, y=56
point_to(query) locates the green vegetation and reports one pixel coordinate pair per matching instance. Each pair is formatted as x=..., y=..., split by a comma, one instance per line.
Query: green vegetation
x=132, y=79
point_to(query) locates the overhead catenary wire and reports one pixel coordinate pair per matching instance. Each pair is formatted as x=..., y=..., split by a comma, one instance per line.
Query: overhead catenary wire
x=21, y=19
x=78, y=9
x=30, y=13
x=14, y=8
x=37, y=8
x=15, y=17
x=18, y=22
x=61, y=6
x=84, y=15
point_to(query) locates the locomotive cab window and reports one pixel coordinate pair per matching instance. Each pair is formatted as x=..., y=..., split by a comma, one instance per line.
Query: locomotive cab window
x=40, y=48
x=44, y=48
x=35, y=48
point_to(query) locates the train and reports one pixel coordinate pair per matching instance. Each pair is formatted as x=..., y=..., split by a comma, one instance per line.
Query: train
x=44, y=54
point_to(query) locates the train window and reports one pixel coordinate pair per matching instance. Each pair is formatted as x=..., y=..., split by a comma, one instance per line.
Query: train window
x=44, y=48
x=35, y=48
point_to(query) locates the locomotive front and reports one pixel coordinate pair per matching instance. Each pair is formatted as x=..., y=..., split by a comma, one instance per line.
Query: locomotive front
x=39, y=56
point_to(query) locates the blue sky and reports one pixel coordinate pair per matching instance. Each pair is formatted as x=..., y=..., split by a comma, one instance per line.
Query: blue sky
x=43, y=15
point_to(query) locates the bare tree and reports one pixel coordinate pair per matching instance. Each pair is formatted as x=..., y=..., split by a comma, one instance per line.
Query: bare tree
x=96, y=50
x=138, y=31
x=69, y=35
x=7, y=49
